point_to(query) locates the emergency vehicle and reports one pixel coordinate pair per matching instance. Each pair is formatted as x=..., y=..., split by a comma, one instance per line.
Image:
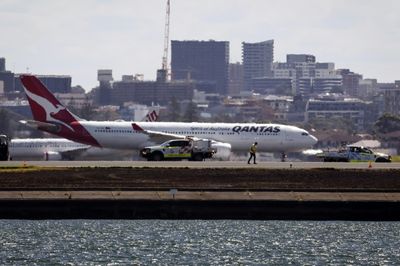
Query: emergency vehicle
x=4, y=155
x=354, y=154
x=178, y=149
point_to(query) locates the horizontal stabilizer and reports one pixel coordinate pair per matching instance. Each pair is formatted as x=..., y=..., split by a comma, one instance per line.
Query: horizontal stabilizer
x=40, y=125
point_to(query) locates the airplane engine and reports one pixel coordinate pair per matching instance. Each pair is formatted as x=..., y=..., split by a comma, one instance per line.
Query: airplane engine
x=52, y=156
x=223, y=150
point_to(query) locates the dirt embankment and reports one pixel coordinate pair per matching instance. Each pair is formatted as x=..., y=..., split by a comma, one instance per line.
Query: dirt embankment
x=202, y=179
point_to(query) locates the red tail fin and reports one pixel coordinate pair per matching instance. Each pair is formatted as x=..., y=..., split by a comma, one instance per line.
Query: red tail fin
x=46, y=108
x=152, y=116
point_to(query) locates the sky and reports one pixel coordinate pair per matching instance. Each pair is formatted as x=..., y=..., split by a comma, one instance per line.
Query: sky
x=78, y=37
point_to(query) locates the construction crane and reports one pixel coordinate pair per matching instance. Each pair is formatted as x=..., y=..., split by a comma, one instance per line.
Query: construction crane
x=166, y=39
x=163, y=73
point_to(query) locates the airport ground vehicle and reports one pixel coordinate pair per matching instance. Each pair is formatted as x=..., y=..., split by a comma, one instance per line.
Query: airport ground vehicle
x=354, y=153
x=4, y=155
x=178, y=149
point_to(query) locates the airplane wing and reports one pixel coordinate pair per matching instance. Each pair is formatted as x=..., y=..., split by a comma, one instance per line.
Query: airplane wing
x=74, y=152
x=157, y=136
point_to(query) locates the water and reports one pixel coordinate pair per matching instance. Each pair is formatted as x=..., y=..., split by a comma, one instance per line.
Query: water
x=116, y=242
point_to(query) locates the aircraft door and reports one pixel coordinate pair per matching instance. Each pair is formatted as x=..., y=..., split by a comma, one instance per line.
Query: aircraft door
x=289, y=136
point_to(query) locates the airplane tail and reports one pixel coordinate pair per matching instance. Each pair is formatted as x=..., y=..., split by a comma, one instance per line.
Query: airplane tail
x=52, y=116
x=44, y=105
x=152, y=115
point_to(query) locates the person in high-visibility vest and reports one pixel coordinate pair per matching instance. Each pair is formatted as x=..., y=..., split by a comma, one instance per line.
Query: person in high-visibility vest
x=253, y=150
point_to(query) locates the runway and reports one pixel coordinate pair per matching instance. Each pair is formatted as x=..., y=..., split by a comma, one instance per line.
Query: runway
x=199, y=190
x=201, y=165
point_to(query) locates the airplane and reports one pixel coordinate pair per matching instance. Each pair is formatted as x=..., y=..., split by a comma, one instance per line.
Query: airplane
x=45, y=148
x=54, y=149
x=51, y=116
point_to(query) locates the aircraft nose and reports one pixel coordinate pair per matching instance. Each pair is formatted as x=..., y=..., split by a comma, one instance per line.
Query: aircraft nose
x=313, y=140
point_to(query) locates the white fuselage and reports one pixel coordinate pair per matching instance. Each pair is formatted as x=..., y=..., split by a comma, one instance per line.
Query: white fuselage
x=270, y=137
x=41, y=148
x=37, y=148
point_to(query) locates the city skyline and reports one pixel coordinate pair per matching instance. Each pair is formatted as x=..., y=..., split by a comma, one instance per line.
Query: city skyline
x=79, y=37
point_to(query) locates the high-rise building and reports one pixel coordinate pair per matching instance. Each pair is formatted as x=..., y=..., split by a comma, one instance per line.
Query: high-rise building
x=205, y=61
x=12, y=85
x=235, y=78
x=392, y=97
x=55, y=83
x=7, y=77
x=348, y=109
x=8, y=80
x=278, y=86
x=105, y=77
x=2, y=64
x=257, y=60
x=308, y=76
x=351, y=82
x=367, y=88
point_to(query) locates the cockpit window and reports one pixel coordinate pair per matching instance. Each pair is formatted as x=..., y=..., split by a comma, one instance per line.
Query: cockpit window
x=304, y=134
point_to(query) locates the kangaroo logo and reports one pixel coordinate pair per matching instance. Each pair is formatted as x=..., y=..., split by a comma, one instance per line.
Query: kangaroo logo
x=50, y=109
